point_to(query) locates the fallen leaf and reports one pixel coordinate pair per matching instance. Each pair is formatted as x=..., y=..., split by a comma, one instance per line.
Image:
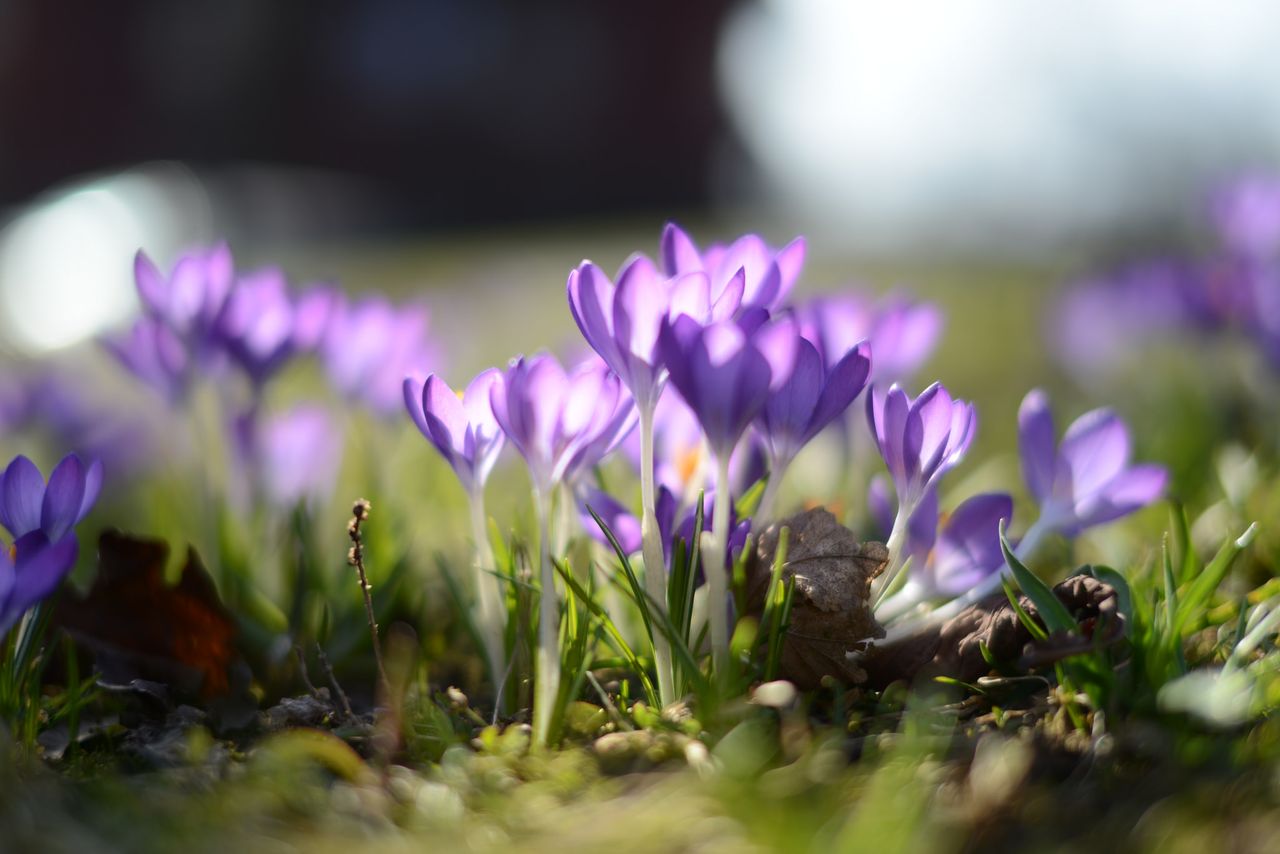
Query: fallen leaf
x=830, y=613
x=140, y=628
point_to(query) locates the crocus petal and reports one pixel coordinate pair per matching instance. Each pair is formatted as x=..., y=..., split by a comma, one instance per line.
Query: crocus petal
x=779, y=343
x=968, y=547
x=1128, y=491
x=880, y=505
x=485, y=433
x=151, y=284
x=843, y=384
x=311, y=315
x=92, y=486
x=690, y=294
x=677, y=251
x=448, y=426
x=750, y=254
x=887, y=414
x=922, y=529
x=937, y=415
x=1094, y=450
x=40, y=568
x=1036, y=444
x=790, y=261
x=21, y=497
x=62, y=498
x=786, y=415
x=413, y=388
x=903, y=335
x=640, y=304
x=591, y=303
x=717, y=365
x=727, y=301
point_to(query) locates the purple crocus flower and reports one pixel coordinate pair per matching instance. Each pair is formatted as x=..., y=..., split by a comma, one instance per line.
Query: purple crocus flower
x=155, y=355
x=28, y=504
x=370, y=346
x=624, y=524
x=1101, y=322
x=1246, y=214
x=561, y=423
x=919, y=439
x=768, y=274
x=263, y=324
x=739, y=529
x=256, y=324
x=191, y=298
x=819, y=392
x=1087, y=480
x=29, y=572
x=300, y=454
x=902, y=332
x=726, y=370
x=954, y=559
x=621, y=323
x=463, y=429
x=967, y=549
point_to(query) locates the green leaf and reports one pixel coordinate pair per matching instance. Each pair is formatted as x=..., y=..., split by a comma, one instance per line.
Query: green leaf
x=1037, y=631
x=1202, y=588
x=637, y=590
x=615, y=637
x=1055, y=615
x=750, y=500
x=1170, y=587
x=1182, y=539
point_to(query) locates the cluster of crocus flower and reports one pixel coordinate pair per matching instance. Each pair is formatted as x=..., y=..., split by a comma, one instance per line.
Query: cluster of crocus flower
x=752, y=378
x=1233, y=288
x=206, y=320
x=40, y=517
x=1085, y=480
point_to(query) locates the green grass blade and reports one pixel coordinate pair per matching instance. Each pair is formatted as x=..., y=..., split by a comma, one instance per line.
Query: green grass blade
x=1055, y=615
x=1202, y=588
x=613, y=636
x=1036, y=630
x=638, y=594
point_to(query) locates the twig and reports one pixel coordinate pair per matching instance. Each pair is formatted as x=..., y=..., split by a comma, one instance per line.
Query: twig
x=355, y=557
x=333, y=680
x=302, y=670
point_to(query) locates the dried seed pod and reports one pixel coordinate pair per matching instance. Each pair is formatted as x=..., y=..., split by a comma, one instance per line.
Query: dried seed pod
x=954, y=648
x=831, y=612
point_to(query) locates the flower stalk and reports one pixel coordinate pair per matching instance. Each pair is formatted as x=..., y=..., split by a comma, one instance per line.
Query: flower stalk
x=654, y=563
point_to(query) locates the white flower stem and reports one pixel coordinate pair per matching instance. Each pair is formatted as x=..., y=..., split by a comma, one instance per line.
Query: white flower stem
x=655, y=575
x=547, y=658
x=897, y=539
x=714, y=544
x=488, y=591
x=900, y=602
x=764, y=510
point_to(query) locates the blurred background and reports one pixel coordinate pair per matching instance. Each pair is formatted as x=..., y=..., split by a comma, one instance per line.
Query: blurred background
x=978, y=153
x=889, y=130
